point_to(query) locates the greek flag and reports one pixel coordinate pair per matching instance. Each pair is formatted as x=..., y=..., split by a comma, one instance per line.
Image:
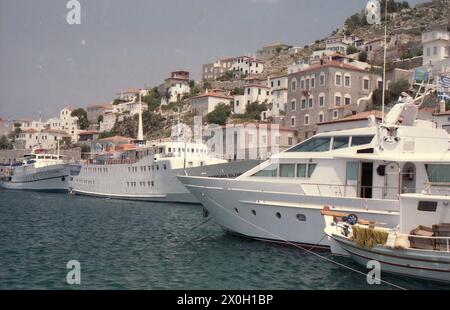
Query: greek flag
x=444, y=82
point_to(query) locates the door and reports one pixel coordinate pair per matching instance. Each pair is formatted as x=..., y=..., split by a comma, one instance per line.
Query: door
x=366, y=180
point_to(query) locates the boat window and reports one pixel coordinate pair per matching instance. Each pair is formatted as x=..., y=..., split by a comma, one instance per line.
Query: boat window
x=340, y=142
x=301, y=217
x=438, y=173
x=352, y=171
x=361, y=140
x=321, y=144
x=311, y=168
x=270, y=171
x=427, y=206
x=287, y=170
x=301, y=171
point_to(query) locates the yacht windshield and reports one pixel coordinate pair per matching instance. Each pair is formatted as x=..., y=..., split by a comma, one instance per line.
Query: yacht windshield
x=361, y=140
x=321, y=144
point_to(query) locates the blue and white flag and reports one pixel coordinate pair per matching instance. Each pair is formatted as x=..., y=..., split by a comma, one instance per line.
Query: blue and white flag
x=444, y=82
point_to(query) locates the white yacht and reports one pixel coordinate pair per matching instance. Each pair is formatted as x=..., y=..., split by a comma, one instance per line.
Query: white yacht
x=143, y=172
x=39, y=171
x=147, y=171
x=361, y=171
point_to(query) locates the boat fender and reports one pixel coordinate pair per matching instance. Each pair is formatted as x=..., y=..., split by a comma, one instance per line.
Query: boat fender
x=351, y=219
x=205, y=213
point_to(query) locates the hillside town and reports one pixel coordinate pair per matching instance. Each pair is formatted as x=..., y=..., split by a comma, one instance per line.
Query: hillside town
x=333, y=83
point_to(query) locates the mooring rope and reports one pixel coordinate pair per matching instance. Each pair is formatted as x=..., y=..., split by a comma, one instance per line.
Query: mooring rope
x=303, y=248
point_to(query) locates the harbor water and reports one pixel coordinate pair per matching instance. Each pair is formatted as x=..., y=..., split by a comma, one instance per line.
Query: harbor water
x=136, y=245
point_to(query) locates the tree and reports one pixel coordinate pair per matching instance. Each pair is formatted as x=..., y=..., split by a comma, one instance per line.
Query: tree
x=83, y=121
x=5, y=144
x=352, y=50
x=362, y=56
x=395, y=90
x=153, y=99
x=219, y=116
x=238, y=91
x=254, y=110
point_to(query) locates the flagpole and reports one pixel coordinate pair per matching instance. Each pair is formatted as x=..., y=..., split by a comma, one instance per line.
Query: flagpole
x=384, y=62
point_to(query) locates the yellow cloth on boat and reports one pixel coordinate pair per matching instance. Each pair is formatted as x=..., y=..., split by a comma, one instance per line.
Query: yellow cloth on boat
x=368, y=237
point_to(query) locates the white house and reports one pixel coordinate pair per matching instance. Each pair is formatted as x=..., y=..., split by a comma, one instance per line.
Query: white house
x=131, y=94
x=248, y=65
x=436, y=48
x=31, y=138
x=129, y=108
x=279, y=96
x=175, y=87
x=336, y=44
x=65, y=122
x=252, y=93
x=207, y=102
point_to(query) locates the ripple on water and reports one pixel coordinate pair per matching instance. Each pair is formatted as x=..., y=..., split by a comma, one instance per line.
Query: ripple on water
x=134, y=245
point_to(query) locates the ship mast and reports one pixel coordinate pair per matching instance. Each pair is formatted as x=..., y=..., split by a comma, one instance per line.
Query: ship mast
x=384, y=60
x=140, y=135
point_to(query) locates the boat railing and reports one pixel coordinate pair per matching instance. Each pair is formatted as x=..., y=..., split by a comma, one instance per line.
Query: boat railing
x=369, y=192
x=352, y=190
x=111, y=162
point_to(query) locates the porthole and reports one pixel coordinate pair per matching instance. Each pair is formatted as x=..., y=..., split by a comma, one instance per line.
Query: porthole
x=278, y=214
x=236, y=210
x=254, y=212
x=301, y=217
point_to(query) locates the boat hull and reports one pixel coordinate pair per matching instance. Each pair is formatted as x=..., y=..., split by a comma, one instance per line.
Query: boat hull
x=273, y=211
x=431, y=265
x=159, y=185
x=52, y=179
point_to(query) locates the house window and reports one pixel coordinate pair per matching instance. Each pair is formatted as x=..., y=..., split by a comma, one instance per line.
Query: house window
x=435, y=50
x=306, y=120
x=310, y=102
x=321, y=117
x=293, y=104
x=366, y=84
x=338, y=79
x=302, y=84
x=313, y=82
x=290, y=141
x=347, y=81
x=307, y=83
x=321, y=100
x=294, y=85
x=347, y=100
x=293, y=121
x=335, y=114
x=259, y=91
x=303, y=103
x=279, y=83
x=322, y=79
x=337, y=100
x=248, y=91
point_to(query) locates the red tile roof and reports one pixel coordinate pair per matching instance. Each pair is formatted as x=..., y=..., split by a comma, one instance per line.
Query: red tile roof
x=335, y=64
x=357, y=117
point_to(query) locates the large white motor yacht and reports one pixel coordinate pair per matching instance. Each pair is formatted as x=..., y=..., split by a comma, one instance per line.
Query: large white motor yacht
x=39, y=171
x=360, y=171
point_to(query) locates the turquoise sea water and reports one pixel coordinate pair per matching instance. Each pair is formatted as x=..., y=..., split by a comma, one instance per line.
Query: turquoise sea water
x=135, y=245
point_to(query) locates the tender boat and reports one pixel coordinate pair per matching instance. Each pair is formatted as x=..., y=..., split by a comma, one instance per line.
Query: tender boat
x=39, y=171
x=361, y=171
x=419, y=247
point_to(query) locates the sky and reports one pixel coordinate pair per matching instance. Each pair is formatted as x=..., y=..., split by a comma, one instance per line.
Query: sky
x=47, y=64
